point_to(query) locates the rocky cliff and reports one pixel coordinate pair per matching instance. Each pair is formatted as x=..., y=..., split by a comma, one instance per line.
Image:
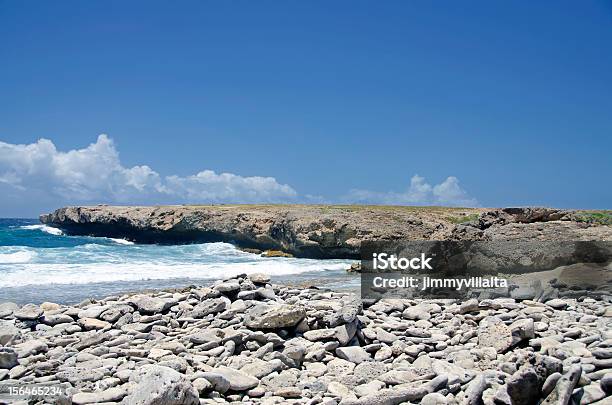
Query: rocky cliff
x=323, y=231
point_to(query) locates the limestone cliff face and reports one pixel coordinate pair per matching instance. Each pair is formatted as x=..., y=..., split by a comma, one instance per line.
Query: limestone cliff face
x=318, y=231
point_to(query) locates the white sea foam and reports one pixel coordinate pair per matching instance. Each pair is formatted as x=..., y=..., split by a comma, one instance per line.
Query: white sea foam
x=45, y=274
x=22, y=256
x=121, y=241
x=106, y=262
x=44, y=228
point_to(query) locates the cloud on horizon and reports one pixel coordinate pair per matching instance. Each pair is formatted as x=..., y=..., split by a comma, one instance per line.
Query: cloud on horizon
x=95, y=174
x=448, y=193
x=38, y=172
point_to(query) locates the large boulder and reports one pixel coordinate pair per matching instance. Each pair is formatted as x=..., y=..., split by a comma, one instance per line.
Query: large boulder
x=158, y=385
x=274, y=316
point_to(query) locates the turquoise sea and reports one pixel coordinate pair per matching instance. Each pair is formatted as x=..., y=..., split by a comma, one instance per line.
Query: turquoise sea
x=39, y=263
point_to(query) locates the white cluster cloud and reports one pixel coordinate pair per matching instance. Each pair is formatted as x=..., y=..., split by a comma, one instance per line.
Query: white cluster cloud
x=38, y=176
x=420, y=192
x=95, y=174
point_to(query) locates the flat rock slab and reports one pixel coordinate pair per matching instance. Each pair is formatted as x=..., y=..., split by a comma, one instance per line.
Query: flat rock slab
x=274, y=316
x=28, y=312
x=354, y=354
x=159, y=385
x=493, y=332
x=238, y=380
x=150, y=305
x=113, y=394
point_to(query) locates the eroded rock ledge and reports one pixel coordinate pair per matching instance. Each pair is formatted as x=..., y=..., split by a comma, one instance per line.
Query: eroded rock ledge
x=321, y=231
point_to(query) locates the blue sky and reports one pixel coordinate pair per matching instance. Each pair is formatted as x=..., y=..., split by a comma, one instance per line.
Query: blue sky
x=306, y=101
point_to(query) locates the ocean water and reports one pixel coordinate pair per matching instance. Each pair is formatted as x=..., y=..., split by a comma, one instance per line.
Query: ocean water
x=39, y=263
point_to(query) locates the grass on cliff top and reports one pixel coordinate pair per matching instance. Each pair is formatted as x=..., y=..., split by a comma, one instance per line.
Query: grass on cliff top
x=595, y=217
x=463, y=218
x=350, y=207
x=455, y=215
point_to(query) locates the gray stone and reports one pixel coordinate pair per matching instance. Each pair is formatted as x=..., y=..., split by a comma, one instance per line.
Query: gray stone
x=228, y=287
x=157, y=385
x=209, y=306
x=92, y=311
x=319, y=334
x=457, y=373
x=564, y=388
x=468, y=306
x=383, y=354
x=606, y=383
x=93, y=324
x=238, y=380
x=366, y=389
x=369, y=370
x=113, y=394
x=340, y=367
x=354, y=354
x=522, y=329
x=402, y=394
x=259, y=278
x=150, y=305
x=395, y=377
x=8, y=358
x=295, y=353
x=113, y=313
x=339, y=390
x=274, y=316
x=286, y=378
x=288, y=392
x=345, y=332
x=346, y=314
x=31, y=347
x=602, y=353
x=385, y=337
x=316, y=369
x=259, y=368
x=474, y=390
x=88, y=340
x=219, y=382
x=549, y=383
x=524, y=386
x=417, y=312
x=79, y=375
x=7, y=309
x=588, y=394
x=493, y=332
x=56, y=319
x=8, y=334
x=434, y=398
x=28, y=312
x=557, y=303
x=202, y=385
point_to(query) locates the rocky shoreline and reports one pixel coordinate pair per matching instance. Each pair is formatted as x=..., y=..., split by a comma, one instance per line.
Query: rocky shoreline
x=244, y=340
x=326, y=231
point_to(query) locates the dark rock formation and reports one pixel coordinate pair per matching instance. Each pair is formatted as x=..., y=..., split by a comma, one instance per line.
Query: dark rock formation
x=320, y=231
